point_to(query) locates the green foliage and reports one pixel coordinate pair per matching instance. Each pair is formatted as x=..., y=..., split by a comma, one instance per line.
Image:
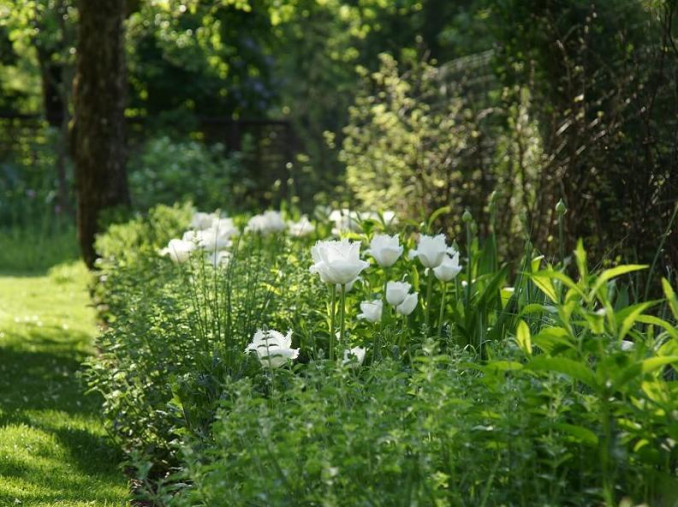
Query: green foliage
x=555, y=390
x=200, y=58
x=602, y=79
x=423, y=137
x=167, y=171
x=178, y=333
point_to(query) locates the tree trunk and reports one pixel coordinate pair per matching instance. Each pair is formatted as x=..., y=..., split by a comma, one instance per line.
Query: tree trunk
x=99, y=123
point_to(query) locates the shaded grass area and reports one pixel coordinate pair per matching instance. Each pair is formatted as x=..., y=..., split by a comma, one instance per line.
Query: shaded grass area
x=34, y=249
x=53, y=446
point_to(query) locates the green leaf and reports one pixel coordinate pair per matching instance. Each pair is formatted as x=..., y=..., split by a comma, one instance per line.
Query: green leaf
x=636, y=369
x=580, y=434
x=671, y=298
x=497, y=366
x=536, y=308
x=580, y=257
x=553, y=339
x=543, y=281
x=523, y=337
x=550, y=275
x=436, y=214
x=609, y=274
x=653, y=363
x=571, y=368
x=656, y=321
x=535, y=263
x=506, y=294
x=627, y=317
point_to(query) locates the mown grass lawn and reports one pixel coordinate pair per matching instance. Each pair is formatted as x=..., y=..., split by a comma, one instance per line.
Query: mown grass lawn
x=53, y=446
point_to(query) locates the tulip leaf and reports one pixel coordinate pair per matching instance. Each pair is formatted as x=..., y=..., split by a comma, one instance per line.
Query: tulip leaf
x=523, y=337
x=609, y=274
x=571, y=368
x=671, y=298
x=580, y=434
x=436, y=214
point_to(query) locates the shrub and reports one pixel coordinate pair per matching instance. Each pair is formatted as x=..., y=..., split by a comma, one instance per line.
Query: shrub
x=167, y=171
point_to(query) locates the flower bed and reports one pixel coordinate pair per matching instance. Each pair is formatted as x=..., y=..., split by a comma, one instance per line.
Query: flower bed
x=261, y=361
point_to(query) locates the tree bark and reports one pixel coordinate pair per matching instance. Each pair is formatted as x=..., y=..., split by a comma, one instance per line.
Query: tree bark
x=99, y=123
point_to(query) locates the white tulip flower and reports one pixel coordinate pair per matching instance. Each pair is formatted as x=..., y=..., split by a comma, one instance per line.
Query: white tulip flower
x=213, y=239
x=273, y=348
x=178, y=250
x=371, y=310
x=191, y=236
x=449, y=268
x=431, y=250
x=303, y=227
x=202, y=220
x=385, y=249
x=337, y=261
x=266, y=223
x=408, y=305
x=396, y=292
x=344, y=220
x=354, y=357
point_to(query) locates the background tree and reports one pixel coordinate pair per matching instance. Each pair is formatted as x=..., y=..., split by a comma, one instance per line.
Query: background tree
x=99, y=122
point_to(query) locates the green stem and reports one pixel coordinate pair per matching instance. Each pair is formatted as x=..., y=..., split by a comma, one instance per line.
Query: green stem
x=442, y=312
x=343, y=313
x=385, y=314
x=429, y=291
x=561, y=240
x=469, y=266
x=605, y=451
x=333, y=301
x=666, y=234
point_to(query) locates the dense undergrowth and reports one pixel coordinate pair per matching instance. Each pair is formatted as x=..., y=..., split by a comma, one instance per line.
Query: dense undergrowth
x=522, y=383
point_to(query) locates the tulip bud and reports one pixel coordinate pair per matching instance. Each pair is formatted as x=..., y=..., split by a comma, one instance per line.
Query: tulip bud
x=396, y=292
x=561, y=209
x=354, y=357
x=371, y=310
x=466, y=217
x=408, y=305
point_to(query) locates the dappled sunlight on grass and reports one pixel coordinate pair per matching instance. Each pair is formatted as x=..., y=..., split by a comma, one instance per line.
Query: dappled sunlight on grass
x=53, y=446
